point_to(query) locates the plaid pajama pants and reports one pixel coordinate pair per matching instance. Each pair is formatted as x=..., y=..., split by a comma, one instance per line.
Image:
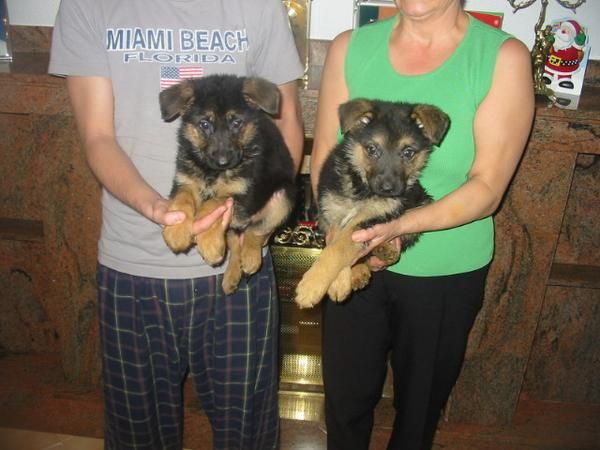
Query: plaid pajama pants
x=155, y=331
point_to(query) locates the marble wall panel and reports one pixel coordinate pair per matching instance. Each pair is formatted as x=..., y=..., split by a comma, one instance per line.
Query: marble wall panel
x=44, y=177
x=562, y=131
x=26, y=93
x=579, y=241
x=527, y=227
x=565, y=358
x=30, y=39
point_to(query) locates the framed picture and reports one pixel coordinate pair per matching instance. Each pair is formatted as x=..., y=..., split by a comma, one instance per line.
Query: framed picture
x=368, y=11
x=5, y=49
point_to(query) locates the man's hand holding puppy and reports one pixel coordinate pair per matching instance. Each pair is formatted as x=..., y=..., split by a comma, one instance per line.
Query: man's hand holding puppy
x=162, y=216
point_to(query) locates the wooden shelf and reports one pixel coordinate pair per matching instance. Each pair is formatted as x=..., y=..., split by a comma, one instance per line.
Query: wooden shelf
x=21, y=230
x=575, y=275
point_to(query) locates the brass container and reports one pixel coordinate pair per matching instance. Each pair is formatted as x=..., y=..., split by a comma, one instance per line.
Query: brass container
x=290, y=263
x=300, y=335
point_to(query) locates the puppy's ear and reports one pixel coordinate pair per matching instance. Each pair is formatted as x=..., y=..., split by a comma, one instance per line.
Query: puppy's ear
x=355, y=113
x=432, y=121
x=262, y=94
x=175, y=100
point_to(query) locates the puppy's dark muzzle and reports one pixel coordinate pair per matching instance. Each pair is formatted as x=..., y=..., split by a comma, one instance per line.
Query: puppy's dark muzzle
x=387, y=185
x=224, y=157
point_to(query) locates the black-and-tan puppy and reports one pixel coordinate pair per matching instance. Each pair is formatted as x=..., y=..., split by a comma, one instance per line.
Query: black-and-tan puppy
x=370, y=177
x=229, y=146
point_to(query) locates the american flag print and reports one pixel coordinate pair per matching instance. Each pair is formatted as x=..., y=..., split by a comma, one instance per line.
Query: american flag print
x=171, y=75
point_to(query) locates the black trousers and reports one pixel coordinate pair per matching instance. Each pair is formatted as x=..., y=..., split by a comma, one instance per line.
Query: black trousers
x=421, y=324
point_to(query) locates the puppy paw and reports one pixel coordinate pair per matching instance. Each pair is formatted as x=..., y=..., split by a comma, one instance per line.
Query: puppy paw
x=251, y=262
x=309, y=291
x=178, y=237
x=361, y=275
x=231, y=279
x=341, y=287
x=211, y=247
x=388, y=253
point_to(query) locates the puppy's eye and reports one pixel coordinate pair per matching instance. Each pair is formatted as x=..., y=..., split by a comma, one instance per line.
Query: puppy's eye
x=204, y=124
x=372, y=150
x=408, y=152
x=236, y=123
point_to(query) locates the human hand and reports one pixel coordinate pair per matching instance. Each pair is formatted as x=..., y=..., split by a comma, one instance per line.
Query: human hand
x=374, y=236
x=376, y=264
x=161, y=215
x=224, y=211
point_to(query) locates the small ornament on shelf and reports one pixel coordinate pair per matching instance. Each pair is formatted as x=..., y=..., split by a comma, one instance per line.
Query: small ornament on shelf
x=564, y=68
x=304, y=234
x=543, y=47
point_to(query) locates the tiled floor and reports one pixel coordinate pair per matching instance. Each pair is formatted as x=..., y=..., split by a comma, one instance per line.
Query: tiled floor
x=15, y=439
x=35, y=396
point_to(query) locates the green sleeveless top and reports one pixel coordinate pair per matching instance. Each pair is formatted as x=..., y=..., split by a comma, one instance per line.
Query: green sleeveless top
x=457, y=87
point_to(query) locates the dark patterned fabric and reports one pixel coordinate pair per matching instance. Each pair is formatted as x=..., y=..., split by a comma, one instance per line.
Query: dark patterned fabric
x=154, y=331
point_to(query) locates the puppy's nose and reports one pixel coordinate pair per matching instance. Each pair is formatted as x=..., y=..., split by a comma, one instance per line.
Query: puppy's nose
x=388, y=187
x=223, y=161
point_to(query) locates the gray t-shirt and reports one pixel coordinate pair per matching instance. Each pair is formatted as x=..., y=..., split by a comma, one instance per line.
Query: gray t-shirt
x=145, y=46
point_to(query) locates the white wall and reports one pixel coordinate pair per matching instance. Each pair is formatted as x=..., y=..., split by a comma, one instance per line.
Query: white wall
x=329, y=17
x=32, y=12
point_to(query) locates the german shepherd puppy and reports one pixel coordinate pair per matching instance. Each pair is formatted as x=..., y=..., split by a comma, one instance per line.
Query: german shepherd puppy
x=370, y=177
x=229, y=146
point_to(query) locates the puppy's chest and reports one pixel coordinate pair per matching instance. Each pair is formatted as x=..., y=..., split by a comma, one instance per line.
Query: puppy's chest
x=224, y=184
x=339, y=211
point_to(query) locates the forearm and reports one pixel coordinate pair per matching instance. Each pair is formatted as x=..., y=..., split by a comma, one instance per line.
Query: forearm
x=332, y=93
x=118, y=175
x=92, y=103
x=472, y=201
x=290, y=122
x=293, y=134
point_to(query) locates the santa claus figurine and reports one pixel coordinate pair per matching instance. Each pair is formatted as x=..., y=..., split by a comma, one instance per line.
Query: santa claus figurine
x=566, y=52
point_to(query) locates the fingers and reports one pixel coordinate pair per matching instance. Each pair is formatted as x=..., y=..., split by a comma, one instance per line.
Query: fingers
x=376, y=264
x=162, y=216
x=371, y=238
x=228, y=212
x=204, y=223
x=223, y=212
x=363, y=235
x=173, y=218
x=366, y=249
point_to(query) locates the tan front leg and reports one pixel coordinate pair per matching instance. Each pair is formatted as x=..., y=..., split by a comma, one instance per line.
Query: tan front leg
x=251, y=252
x=341, y=287
x=349, y=280
x=361, y=275
x=211, y=243
x=179, y=237
x=233, y=273
x=337, y=255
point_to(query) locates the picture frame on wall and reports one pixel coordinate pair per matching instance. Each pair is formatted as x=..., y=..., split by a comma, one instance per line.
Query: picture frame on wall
x=369, y=11
x=5, y=48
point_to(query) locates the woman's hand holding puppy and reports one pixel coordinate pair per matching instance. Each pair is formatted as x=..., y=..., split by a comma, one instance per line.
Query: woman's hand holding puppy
x=372, y=237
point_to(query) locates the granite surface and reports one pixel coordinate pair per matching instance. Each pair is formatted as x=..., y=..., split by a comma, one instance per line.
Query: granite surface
x=521, y=342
